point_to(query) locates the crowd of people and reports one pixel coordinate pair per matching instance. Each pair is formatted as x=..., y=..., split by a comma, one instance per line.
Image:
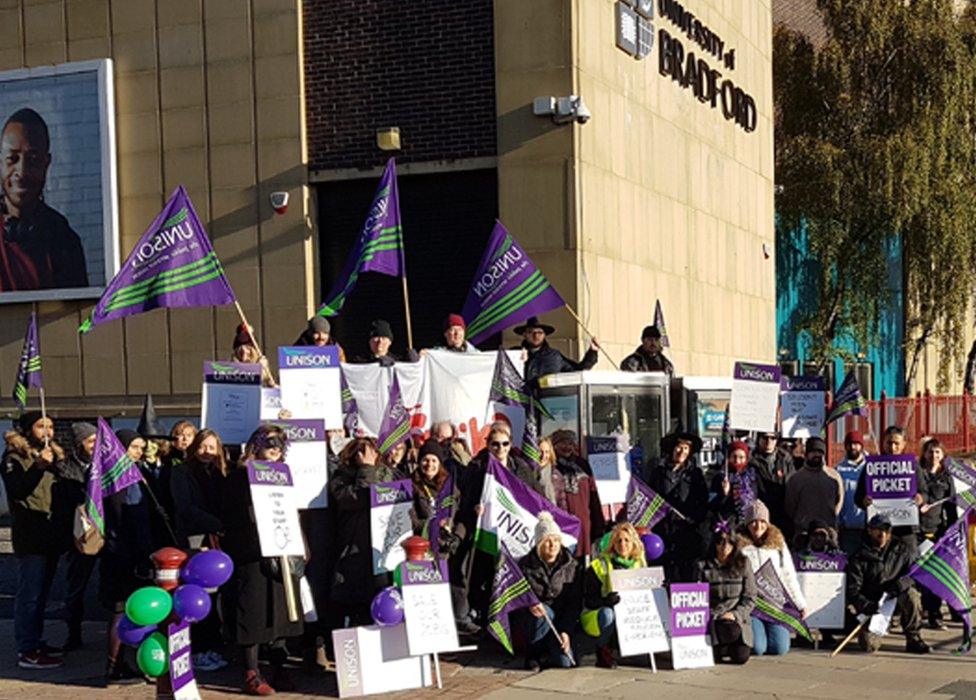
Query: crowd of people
x=763, y=503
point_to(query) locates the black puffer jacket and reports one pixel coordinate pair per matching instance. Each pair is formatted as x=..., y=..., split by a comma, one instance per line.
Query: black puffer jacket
x=684, y=540
x=559, y=586
x=642, y=361
x=545, y=360
x=935, y=487
x=873, y=571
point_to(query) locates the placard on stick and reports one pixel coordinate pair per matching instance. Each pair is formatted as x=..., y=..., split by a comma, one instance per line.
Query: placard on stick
x=308, y=460
x=608, y=458
x=389, y=523
x=643, y=613
x=755, y=397
x=231, y=400
x=275, y=514
x=802, y=406
x=690, y=614
x=427, y=607
x=311, y=383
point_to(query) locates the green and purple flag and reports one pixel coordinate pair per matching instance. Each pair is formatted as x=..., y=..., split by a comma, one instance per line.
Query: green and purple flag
x=172, y=265
x=645, y=507
x=774, y=603
x=380, y=244
x=507, y=288
x=944, y=570
x=29, y=369
x=395, y=427
x=661, y=326
x=510, y=591
x=508, y=388
x=111, y=471
x=444, y=503
x=847, y=401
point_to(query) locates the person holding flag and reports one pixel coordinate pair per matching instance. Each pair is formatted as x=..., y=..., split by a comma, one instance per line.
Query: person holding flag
x=937, y=513
x=543, y=359
x=30, y=477
x=649, y=356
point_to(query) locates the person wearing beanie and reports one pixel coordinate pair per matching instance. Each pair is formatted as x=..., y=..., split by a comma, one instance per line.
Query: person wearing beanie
x=245, y=350
x=74, y=473
x=814, y=492
x=380, y=342
x=852, y=518
x=543, y=359
x=319, y=334
x=737, y=486
x=764, y=542
x=455, y=332
x=38, y=536
x=649, y=355
x=554, y=575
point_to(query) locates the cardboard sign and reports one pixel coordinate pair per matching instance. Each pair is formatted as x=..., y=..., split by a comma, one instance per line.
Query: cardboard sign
x=643, y=612
x=376, y=659
x=389, y=523
x=308, y=461
x=881, y=620
x=270, y=403
x=310, y=383
x=427, y=607
x=802, y=407
x=690, y=614
x=180, y=663
x=755, y=397
x=608, y=458
x=826, y=596
x=231, y=401
x=275, y=514
x=891, y=482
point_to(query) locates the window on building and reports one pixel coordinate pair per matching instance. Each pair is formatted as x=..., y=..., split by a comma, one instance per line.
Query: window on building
x=789, y=368
x=864, y=372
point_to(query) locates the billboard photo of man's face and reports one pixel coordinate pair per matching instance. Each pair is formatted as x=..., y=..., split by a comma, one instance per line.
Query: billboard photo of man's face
x=24, y=159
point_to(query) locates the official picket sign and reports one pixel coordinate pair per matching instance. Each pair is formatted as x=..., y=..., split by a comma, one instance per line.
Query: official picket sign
x=310, y=383
x=389, y=522
x=308, y=460
x=427, y=607
x=180, y=664
x=275, y=514
x=891, y=482
x=755, y=397
x=802, y=407
x=231, y=401
x=690, y=614
x=608, y=458
x=374, y=659
x=643, y=612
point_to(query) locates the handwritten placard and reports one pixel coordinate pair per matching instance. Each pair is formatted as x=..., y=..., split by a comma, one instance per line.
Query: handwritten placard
x=802, y=406
x=643, y=612
x=390, y=523
x=275, y=513
x=755, y=397
x=427, y=607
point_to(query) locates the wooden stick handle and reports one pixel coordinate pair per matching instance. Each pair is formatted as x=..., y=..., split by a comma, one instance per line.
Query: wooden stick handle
x=254, y=339
x=849, y=637
x=290, y=596
x=406, y=312
x=555, y=632
x=590, y=333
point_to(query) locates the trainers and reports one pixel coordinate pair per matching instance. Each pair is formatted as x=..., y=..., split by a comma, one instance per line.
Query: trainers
x=216, y=659
x=38, y=660
x=255, y=685
x=48, y=650
x=203, y=662
x=916, y=645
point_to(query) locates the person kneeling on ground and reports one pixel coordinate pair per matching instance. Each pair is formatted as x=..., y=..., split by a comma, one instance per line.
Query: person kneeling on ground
x=732, y=595
x=554, y=576
x=624, y=551
x=878, y=568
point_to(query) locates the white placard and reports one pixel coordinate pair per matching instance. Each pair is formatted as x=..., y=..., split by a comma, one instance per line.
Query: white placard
x=825, y=593
x=427, y=608
x=275, y=514
x=390, y=523
x=755, y=397
x=881, y=620
x=691, y=652
x=311, y=383
x=642, y=611
x=376, y=659
x=308, y=460
x=231, y=400
x=608, y=458
x=270, y=403
x=802, y=407
x=901, y=511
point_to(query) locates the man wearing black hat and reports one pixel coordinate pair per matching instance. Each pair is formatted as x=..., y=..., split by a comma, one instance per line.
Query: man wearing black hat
x=649, y=356
x=881, y=567
x=543, y=359
x=380, y=340
x=319, y=333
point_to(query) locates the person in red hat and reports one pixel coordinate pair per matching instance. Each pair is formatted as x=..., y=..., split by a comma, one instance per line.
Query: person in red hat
x=455, y=330
x=851, y=518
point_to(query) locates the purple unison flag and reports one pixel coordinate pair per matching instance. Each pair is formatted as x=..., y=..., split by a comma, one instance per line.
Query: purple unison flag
x=645, y=507
x=444, y=504
x=29, y=369
x=172, y=265
x=111, y=471
x=395, y=428
x=508, y=388
x=507, y=288
x=960, y=470
x=661, y=326
x=847, y=400
x=774, y=604
x=509, y=592
x=380, y=244
x=350, y=409
x=944, y=570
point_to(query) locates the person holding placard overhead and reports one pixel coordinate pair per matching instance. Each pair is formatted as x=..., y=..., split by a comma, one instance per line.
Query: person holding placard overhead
x=554, y=576
x=624, y=551
x=254, y=604
x=936, y=514
x=764, y=542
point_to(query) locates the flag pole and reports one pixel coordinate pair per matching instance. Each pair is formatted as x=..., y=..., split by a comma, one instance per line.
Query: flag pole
x=44, y=415
x=264, y=369
x=406, y=310
x=590, y=333
x=40, y=389
x=555, y=632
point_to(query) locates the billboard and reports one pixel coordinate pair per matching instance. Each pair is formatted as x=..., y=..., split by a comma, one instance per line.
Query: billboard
x=58, y=193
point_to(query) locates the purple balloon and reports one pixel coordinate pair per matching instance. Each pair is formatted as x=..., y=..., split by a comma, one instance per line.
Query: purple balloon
x=191, y=603
x=210, y=569
x=387, y=607
x=132, y=634
x=653, y=546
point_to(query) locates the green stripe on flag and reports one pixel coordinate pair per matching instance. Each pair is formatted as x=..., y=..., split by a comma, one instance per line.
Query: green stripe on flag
x=517, y=589
x=530, y=288
x=177, y=218
x=947, y=576
x=781, y=616
x=486, y=541
x=501, y=636
x=394, y=437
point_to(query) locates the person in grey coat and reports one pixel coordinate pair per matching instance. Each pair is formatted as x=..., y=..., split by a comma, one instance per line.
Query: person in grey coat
x=732, y=595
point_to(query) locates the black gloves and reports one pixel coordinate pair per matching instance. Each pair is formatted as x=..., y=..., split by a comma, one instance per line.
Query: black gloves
x=612, y=599
x=898, y=586
x=870, y=608
x=449, y=543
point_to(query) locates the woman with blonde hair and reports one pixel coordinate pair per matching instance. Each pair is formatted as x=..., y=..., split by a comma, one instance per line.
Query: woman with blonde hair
x=547, y=460
x=624, y=551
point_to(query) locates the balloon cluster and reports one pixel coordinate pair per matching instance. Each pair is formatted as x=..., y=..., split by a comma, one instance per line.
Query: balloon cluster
x=151, y=606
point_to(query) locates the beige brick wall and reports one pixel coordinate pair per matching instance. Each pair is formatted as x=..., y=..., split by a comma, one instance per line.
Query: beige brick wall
x=657, y=196
x=208, y=94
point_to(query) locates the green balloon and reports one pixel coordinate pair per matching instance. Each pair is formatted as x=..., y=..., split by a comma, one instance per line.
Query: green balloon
x=152, y=656
x=148, y=606
x=397, y=577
